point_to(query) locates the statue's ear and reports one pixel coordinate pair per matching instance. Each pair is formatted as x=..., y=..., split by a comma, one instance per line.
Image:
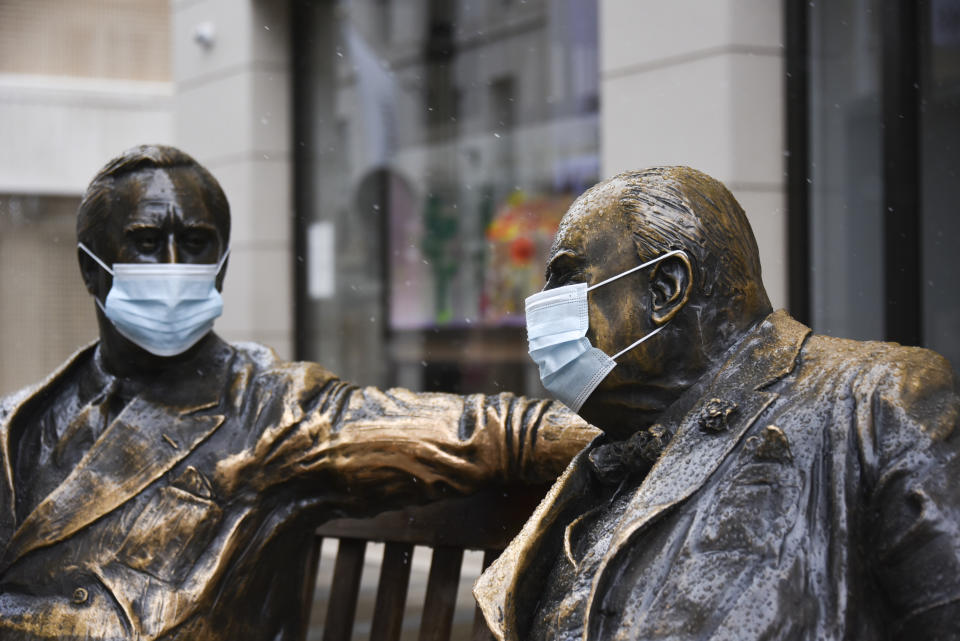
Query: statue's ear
x=670, y=282
x=90, y=272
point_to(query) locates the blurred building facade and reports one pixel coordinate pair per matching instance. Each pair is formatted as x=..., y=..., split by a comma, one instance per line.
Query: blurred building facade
x=79, y=81
x=396, y=167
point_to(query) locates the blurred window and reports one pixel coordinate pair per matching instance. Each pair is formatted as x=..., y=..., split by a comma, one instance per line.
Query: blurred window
x=940, y=177
x=846, y=169
x=436, y=162
x=91, y=38
x=883, y=220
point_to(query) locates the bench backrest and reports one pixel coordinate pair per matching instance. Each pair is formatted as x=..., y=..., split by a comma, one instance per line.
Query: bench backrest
x=486, y=521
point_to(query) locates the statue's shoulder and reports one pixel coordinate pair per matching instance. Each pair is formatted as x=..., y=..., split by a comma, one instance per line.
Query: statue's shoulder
x=268, y=368
x=912, y=385
x=880, y=359
x=10, y=402
x=259, y=356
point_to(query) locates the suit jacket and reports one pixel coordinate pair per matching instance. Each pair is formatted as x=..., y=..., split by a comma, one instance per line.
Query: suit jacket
x=811, y=491
x=191, y=515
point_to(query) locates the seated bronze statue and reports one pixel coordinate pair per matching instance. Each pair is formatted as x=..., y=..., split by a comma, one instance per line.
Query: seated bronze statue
x=755, y=480
x=165, y=484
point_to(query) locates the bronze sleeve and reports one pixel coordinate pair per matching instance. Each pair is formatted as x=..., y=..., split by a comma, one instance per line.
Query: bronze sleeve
x=914, y=508
x=366, y=447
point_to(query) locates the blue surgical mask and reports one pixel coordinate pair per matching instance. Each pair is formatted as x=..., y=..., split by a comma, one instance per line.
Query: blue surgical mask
x=557, y=323
x=165, y=308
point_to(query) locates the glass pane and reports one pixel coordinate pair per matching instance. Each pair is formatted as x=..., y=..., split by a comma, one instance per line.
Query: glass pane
x=846, y=188
x=46, y=313
x=940, y=162
x=442, y=143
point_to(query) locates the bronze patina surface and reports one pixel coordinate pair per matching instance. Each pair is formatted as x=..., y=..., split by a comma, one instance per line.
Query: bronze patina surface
x=147, y=497
x=755, y=481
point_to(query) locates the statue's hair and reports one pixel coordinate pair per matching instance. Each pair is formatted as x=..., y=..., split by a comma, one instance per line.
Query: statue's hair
x=101, y=195
x=682, y=208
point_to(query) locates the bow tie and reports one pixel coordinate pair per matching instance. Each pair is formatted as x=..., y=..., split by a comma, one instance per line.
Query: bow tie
x=615, y=461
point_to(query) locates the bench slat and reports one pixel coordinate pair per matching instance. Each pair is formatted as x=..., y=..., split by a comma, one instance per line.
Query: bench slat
x=342, y=607
x=391, y=592
x=309, y=583
x=441, y=599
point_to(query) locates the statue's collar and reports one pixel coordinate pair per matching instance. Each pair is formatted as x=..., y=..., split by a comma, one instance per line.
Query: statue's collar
x=765, y=353
x=96, y=378
x=192, y=383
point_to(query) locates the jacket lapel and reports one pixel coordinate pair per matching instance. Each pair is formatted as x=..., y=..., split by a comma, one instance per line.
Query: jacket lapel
x=683, y=468
x=7, y=511
x=144, y=442
x=528, y=559
x=699, y=446
x=148, y=438
x=10, y=409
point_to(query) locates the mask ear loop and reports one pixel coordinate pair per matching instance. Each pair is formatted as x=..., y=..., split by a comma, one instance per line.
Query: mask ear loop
x=630, y=271
x=638, y=268
x=627, y=349
x=223, y=259
x=102, y=264
x=95, y=257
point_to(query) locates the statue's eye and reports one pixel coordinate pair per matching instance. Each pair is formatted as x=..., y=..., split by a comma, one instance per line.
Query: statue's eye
x=196, y=242
x=563, y=270
x=146, y=242
x=564, y=278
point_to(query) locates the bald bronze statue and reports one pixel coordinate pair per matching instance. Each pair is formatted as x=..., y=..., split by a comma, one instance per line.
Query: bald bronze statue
x=165, y=484
x=755, y=481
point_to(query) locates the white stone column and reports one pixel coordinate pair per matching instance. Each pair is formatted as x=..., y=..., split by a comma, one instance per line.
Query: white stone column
x=231, y=66
x=701, y=83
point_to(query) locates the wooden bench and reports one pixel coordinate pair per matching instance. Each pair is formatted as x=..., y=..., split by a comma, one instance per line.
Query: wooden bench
x=486, y=521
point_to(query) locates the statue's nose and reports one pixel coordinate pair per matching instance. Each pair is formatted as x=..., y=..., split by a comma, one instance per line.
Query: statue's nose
x=172, y=254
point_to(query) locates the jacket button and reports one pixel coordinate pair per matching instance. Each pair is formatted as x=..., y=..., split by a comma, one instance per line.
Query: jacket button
x=80, y=596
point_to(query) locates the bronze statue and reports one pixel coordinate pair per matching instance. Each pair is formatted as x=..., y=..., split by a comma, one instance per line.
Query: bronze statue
x=164, y=484
x=755, y=481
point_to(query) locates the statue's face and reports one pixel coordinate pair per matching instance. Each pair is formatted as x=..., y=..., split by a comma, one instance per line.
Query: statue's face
x=160, y=216
x=594, y=243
